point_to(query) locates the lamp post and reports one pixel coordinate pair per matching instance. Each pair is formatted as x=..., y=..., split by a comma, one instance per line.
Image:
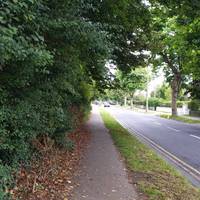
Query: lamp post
x=147, y=88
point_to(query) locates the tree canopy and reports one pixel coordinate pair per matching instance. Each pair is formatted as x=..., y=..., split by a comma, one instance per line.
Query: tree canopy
x=174, y=39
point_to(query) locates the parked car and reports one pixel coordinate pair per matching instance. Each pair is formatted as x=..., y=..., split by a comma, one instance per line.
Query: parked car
x=106, y=104
x=112, y=103
x=96, y=103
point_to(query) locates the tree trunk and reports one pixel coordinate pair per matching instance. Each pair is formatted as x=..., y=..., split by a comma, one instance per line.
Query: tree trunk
x=176, y=82
x=175, y=86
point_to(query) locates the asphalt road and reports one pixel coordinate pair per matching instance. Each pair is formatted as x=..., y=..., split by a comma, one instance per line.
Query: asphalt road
x=179, y=139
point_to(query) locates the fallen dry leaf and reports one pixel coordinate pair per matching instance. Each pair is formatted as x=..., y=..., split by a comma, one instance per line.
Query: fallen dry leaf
x=49, y=177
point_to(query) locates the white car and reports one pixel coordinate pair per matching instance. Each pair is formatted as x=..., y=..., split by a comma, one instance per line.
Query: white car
x=106, y=104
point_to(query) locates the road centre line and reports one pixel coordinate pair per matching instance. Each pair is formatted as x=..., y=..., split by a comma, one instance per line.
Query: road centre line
x=157, y=123
x=173, y=129
x=186, y=167
x=194, y=136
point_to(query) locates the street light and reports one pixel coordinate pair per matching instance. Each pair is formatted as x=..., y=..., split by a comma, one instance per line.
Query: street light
x=147, y=88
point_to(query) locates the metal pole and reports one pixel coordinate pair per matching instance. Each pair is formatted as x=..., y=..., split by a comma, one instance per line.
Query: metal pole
x=147, y=89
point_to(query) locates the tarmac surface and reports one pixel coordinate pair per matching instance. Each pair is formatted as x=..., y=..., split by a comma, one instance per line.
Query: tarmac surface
x=178, y=138
x=103, y=174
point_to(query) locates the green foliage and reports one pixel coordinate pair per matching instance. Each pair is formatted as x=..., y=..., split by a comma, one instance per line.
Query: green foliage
x=52, y=58
x=114, y=95
x=154, y=102
x=194, y=105
x=128, y=83
x=127, y=25
x=164, y=92
x=135, y=80
x=5, y=181
x=63, y=141
x=41, y=71
x=187, y=14
x=175, y=36
x=194, y=89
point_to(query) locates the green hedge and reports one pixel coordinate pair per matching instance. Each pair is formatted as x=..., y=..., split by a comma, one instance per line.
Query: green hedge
x=155, y=102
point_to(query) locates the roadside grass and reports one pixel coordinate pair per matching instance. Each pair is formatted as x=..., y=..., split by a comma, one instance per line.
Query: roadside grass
x=181, y=118
x=152, y=175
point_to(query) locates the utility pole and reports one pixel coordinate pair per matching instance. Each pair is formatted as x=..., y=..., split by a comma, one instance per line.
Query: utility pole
x=147, y=88
x=147, y=96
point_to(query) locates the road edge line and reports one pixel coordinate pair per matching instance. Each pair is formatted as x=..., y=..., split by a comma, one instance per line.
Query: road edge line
x=184, y=166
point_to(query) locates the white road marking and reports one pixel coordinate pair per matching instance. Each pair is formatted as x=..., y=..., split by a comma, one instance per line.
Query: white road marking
x=188, y=168
x=173, y=129
x=195, y=137
x=157, y=123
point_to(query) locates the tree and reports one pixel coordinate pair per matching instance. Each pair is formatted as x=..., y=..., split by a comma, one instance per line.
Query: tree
x=126, y=23
x=163, y=92
x=175, y=35
x=129, y=83
x=168, y=44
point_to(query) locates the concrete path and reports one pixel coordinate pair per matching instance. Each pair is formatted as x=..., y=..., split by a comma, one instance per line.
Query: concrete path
x=103, y=175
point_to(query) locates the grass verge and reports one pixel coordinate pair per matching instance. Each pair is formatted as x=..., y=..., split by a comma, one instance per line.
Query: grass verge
x=152, y=175
x=181, y=118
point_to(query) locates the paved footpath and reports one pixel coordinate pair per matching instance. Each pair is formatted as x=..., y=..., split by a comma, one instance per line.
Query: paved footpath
x=103, y=175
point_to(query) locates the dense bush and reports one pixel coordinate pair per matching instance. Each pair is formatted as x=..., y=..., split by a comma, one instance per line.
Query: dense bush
x=45, y=71
x=5, y=181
